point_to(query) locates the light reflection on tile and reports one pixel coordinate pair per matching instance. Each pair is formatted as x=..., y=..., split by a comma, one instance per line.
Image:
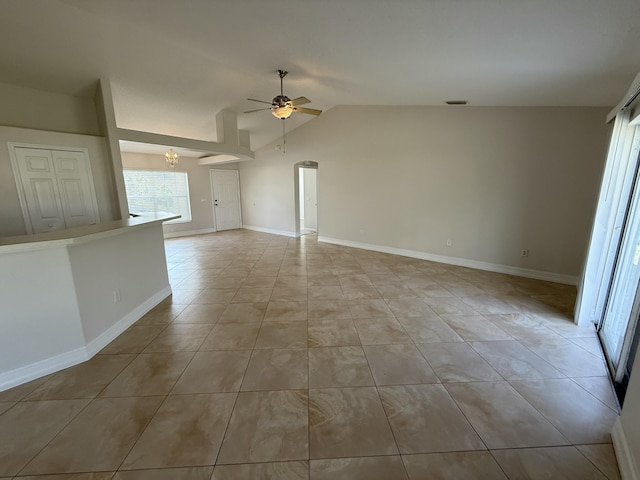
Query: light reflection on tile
x=186, y=431
x=424, y=419
x=29, y=426
x=574, y=412
x=338, y=367
x=398, y=364
x=277, y=369
x=348, y=422
x=267, y=426
x=457, y=362
x=502, y=417
x=603, y=457
x=212, y=372
x=97, y=439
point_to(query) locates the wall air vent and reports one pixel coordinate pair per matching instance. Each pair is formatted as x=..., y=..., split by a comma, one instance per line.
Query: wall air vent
x=456, y=102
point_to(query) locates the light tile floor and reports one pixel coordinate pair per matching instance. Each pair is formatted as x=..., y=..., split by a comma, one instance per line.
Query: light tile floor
x=280, y=358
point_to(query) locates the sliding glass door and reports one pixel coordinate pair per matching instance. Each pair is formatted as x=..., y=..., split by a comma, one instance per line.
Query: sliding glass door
x=609, y=295
x=617, y=324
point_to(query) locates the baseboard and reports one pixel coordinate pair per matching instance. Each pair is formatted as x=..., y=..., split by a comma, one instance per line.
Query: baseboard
x=462, y=262
x=106, y=337
x=269, y=230
x=188, y=233
x=38, y=369
x=626, y=462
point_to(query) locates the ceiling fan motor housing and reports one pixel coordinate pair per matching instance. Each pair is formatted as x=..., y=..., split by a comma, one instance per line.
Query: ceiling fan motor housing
x=281, y=101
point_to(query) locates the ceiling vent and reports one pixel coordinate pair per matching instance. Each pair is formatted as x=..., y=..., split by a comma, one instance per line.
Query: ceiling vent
x=456, y=102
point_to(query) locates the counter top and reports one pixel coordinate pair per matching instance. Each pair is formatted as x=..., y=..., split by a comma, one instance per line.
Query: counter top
x=75, y=235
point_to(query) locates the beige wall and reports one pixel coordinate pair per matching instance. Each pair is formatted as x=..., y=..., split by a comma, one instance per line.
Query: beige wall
x=29, y=108
x=199, y=187
x=493, y=180
x=11, y=220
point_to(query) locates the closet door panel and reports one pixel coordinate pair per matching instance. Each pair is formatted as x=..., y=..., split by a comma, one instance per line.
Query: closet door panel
x=39, y=184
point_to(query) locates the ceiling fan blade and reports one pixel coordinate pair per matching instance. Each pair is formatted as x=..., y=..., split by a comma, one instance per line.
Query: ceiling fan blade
x=310, y=111
x=261, y=101
x=257, y=110
x=300, y=101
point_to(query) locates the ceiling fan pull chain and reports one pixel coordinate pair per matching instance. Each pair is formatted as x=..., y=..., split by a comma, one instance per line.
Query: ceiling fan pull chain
x=284, y=139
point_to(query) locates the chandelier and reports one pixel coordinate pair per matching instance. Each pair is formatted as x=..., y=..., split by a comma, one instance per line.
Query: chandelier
x=172, y=157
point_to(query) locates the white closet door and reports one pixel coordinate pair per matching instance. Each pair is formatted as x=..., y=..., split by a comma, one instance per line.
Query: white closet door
x=74, y=188
x=40, y=187
x=56, y=188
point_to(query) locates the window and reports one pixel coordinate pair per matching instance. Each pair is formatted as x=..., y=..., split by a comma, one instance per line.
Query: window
x=158, y=191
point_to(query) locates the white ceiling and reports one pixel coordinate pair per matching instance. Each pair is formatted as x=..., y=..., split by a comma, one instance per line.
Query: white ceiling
x=175, y=64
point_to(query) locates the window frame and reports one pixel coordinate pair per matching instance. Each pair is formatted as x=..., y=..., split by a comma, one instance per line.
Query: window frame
x=187, y=195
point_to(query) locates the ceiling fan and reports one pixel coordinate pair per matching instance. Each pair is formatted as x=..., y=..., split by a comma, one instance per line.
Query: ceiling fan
x=282, y=106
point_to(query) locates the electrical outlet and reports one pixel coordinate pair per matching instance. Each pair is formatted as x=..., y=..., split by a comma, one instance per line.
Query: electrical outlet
x=449, y=242
x=524, y=253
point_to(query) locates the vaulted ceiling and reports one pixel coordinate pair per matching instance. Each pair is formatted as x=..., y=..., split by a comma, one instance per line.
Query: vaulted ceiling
x=174, y=64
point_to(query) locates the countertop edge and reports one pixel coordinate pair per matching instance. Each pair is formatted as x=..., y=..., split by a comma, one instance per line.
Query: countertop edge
x=78, y=235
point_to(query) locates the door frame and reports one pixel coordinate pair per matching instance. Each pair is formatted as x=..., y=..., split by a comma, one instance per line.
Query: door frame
x=18, y=179
x=213, y=203
x=296, y=193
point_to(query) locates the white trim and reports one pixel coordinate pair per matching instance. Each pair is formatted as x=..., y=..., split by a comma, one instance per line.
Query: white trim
x=38, y=369
x=462, y=262
x=270, y=230
x=626, y=463
x=188, y=233
x=632, y=93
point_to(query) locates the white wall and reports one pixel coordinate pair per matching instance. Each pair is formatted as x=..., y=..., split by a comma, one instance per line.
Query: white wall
x=11, y=219
x=493, y=180
x=199, y=187
x=56, y=112
x=40, y=315
x=58, y=305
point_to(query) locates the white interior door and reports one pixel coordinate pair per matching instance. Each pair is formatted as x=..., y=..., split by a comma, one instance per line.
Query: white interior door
x=56, y=188
x=225, y=188
x=41, y=196
x=74, y=187
x=310, y=200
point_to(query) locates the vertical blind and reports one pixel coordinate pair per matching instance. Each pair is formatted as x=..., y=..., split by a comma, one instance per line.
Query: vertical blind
x=158, y=191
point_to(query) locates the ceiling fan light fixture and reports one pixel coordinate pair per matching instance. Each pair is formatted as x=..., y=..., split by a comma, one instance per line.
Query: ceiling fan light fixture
x=282, y=112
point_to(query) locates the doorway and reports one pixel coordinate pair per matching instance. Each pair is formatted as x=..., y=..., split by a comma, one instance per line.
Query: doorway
x=225, y=193
x=306, y=193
